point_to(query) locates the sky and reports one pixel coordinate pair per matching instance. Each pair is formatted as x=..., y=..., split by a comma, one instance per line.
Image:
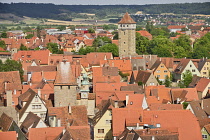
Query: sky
x=104, y=2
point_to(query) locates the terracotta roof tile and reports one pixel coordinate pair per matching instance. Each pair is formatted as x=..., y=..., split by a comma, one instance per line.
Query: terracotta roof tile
x=5, y=122
x=80, y=132
x=126, y=19
x=48, y=133
x=10, y=81
x=9, y=135
x=202, y=84
x=184, y=120
x=159, y=106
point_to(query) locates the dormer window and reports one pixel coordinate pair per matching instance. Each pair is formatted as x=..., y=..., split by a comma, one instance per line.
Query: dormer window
x=22, y=56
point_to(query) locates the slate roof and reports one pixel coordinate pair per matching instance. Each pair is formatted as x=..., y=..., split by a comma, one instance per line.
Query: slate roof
x=126, y=19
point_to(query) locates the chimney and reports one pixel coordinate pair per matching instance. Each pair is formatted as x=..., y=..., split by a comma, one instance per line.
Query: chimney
x=9, y=97
x=150, y=56
x=126, y=99
x=59, y=123
x=158, y=98
x=201, y=104
x=39, y=92
x=137, y=125
x=64, y=130
x=15, y=92
x=69, y=109
x=116, y=104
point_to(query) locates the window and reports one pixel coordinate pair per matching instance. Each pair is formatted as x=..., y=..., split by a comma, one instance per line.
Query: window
x=204, y=136
x=193, y=70
x=157, y=125
x=165, y=71
x=162, y=66
x=108, y=121
x=39, y=106
x=158, y=71
x=68, y=87
x=204, y=72
x=158, y=76
x=165, y=76
x=131, y=103
x=36, y=99
x=22, y=56
x=204, y=68
x=100, y=130
x=28, y=56
x=190, y=65
x=60, y=87
x=33, y=106
x=124, y=42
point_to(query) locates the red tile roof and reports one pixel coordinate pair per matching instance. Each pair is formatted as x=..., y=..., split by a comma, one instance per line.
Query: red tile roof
x=40, y=55
x=202, y=84
x=184, y=120
x=48, y=133
x=175, y=27
x=126, y=19
x=122, y=117
x=145, y=34
x=9, y=135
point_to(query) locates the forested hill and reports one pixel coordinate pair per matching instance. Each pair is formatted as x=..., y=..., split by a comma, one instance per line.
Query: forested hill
x=55, y=11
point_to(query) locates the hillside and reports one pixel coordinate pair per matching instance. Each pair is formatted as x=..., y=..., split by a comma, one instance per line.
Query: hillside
x=69, y=12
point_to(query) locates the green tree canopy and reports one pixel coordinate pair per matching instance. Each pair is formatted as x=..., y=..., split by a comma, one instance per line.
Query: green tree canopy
x=101, y=41
x=141, y=44
x=29, y=36
x=3, y=45
x=110, y=48
x=4, y=35
x=84, y=51
x=12, y=65
x=186, y=79
x=53, y=47
x=22, y=47
x=91, y=30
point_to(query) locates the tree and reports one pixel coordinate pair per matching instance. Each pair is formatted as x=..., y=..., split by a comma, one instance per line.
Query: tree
x=84, y=51
x=53, y=47
x=22, y=47
x=185, y=42
x=91, y=30
x=4, y=35
x=186, y=79
x=61, y=27
x=141, y=44
x=139, y=28
x=29, y=36
x=12, y=65
x=3, y=45
x=149, y=27
x=167, y=81
x=18, y=28
x=110, y=48
x=100, y=41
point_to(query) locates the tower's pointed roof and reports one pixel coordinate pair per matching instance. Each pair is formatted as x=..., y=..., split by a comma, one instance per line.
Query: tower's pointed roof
x=126, y=19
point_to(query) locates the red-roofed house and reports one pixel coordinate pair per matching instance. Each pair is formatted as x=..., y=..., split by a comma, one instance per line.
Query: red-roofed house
x=174, y=28
x=40, y=55
x=145, y=34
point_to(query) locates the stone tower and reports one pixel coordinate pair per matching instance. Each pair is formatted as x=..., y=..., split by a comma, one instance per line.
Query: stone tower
x=65, y=87
x=127, y=36
x=85, y=90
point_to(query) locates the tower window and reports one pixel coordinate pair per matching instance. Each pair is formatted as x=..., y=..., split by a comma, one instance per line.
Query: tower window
x=124, y=42
x=127, y=25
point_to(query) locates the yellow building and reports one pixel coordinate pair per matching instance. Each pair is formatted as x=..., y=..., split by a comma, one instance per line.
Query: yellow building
x=160, y=71
x=204, y=67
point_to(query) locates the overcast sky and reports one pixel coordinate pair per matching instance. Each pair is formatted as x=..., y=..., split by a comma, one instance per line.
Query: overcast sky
x=104, y=2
